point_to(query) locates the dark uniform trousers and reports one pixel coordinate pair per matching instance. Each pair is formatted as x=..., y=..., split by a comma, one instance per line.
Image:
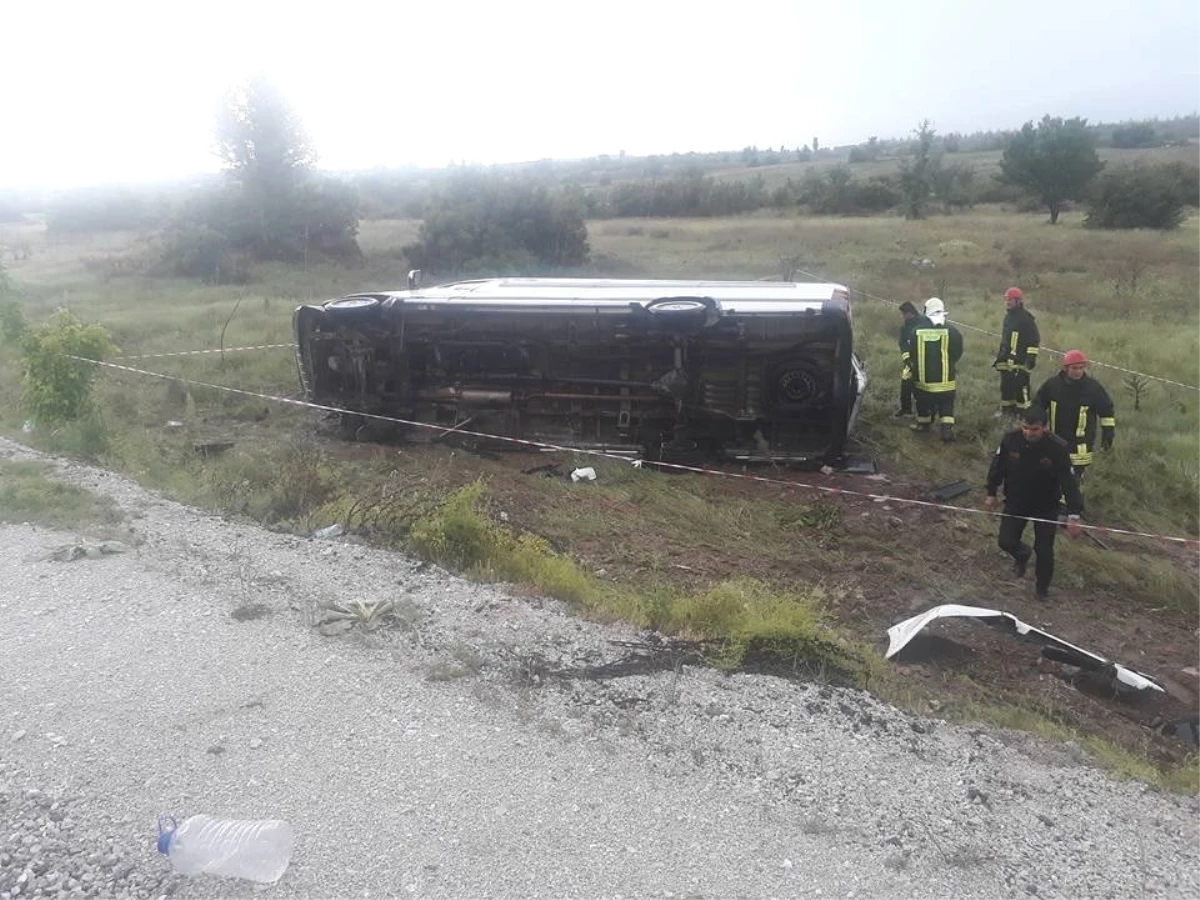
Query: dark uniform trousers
x=1014, y=388
x=937, y=405
x=1012, y=527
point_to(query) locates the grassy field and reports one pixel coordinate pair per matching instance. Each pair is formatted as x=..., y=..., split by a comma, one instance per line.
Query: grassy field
x=1129, y=299
x=694, y=555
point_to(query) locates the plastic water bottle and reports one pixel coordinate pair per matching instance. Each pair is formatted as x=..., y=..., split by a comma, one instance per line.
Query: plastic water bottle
x=258, y=850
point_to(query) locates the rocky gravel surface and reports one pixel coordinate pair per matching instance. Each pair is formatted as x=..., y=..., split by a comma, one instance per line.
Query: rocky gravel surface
x=450, y=739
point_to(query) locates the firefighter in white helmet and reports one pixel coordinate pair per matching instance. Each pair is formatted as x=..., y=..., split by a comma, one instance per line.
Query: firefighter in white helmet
x=935, y=352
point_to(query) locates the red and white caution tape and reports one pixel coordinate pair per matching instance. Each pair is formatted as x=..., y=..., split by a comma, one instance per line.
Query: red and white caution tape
x=203, y=352
x=542, y=445
x=996, y=334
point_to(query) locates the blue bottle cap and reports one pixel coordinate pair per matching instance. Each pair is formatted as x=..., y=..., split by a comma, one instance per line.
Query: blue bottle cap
x=165, y=833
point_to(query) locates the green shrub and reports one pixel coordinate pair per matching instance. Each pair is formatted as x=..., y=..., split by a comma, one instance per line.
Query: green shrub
x=479, y=222
x=761, y=626
x=202, y=252
x=1136, y=197
x=460, y=537
x=56, y=388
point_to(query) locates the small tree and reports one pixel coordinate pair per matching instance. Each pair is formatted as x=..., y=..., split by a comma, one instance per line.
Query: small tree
x=916, y=173
x=260, y=139
x=56, y=388
x=1054, y=162
x=953, y=184
x=1135, y=197
x=277, y=208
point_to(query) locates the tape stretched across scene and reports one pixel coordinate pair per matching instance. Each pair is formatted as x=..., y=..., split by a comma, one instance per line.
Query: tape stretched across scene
x=996, y=334
x=558, y=448
x=203, y=352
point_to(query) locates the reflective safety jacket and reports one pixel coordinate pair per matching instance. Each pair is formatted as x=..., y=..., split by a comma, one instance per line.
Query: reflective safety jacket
x=906, y=335
x=1019, y=343
x=1034, y=474
x=1075, y=409
x=935, y=351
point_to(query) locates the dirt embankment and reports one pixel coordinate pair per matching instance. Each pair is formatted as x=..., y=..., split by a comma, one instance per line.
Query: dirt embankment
x=481, y=744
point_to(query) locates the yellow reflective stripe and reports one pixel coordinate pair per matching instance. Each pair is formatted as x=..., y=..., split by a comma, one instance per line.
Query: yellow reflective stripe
x=1081, y=427
x=947, y=420
x=1082, y=456
x=1053, y=413
x=1109, y=422
x=1031, y=351
x=938, y=388
x=946, y=357
x=1013, y=339
x=921, y=356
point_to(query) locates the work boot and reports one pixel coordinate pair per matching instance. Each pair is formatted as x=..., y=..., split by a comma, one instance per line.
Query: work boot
x=1042, y=591
x=902, y=414
x=948, y=434
x=1021, y=563
x=919, y=426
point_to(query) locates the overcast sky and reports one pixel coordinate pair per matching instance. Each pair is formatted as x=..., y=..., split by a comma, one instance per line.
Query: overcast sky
x=111, y=91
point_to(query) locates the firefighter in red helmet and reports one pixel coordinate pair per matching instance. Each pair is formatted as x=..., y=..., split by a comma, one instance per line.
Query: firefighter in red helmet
x=1078, y=406
x=1018, y=354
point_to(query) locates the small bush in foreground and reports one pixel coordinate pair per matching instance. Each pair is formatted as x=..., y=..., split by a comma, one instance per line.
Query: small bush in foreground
x=55, y=387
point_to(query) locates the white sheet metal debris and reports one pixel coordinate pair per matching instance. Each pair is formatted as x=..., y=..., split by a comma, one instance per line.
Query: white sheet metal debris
x=902, y=632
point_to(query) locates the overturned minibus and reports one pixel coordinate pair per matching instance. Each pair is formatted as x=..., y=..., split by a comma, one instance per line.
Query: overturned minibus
x=677, y=371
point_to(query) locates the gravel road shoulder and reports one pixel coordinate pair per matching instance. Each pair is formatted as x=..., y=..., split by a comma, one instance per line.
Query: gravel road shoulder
x=477, y=746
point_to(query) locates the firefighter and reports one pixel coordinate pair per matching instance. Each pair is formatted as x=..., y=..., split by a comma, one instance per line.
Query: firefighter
x=1035, y=468
x=935, y=350
x=1018, y=354
x=912, y=321
x=1076, y=404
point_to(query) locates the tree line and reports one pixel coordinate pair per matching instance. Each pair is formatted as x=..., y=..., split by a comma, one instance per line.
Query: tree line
x=271, y=203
